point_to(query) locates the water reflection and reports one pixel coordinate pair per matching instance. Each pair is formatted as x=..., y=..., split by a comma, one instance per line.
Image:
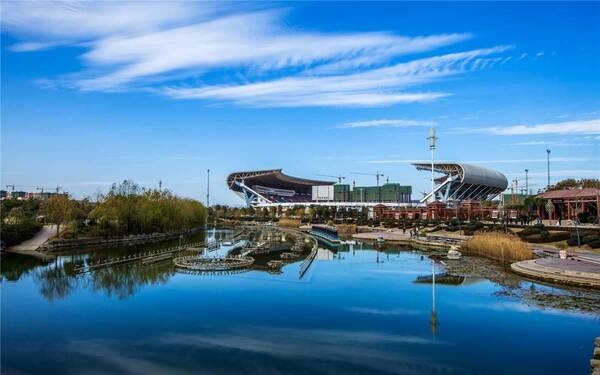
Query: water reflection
x=263, y=349
x=358, y=310
x=124, y=281
x=57, y=280
x=15, y=266
x=54, y=281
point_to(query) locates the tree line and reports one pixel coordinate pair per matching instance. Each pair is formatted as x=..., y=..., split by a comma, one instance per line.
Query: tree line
x=126, y=209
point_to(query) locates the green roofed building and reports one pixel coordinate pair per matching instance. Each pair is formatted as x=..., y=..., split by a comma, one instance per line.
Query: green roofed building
x=387, y=193
x=514, y=198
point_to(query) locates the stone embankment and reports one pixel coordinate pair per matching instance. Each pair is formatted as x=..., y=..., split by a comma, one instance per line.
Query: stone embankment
x=574, y=271
x=430, y=241
x=579, y=269
x=60, y=244
x=595, y=361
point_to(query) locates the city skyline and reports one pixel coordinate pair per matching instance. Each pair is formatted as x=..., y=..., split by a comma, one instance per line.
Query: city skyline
x=90, y=99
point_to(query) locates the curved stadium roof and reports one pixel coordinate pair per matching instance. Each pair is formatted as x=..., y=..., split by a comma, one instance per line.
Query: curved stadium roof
x=466, y=181
x=273, y=178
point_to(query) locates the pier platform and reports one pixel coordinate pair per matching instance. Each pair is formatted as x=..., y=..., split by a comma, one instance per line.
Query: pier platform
x=572, y=271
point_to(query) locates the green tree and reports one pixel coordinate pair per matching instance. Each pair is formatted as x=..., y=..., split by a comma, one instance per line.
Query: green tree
x=571, y=183
x=58, y=209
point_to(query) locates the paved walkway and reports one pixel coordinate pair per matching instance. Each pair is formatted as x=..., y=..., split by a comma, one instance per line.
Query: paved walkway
x=431, y=241
x=30, y=246
x=574, y=271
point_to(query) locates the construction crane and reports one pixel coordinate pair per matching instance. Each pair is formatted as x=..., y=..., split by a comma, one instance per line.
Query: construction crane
x=16, y=186
x=377, y=176
x=339, y=177
x=517, y=188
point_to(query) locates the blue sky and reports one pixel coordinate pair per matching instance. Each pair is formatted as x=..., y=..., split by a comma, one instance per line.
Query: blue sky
x=98, y=92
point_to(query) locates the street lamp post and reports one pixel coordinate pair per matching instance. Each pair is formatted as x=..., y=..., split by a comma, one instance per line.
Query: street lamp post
x=432, y=139
x=548, y=155
x=207, y=188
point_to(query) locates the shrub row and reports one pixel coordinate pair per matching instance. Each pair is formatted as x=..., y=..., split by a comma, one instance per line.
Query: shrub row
x=13, y=234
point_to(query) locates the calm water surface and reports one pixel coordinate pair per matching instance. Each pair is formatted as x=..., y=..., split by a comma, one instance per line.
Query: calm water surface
x=357, y=311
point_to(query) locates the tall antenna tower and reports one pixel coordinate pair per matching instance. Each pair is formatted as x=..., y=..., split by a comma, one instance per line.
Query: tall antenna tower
x=432, y=138
x=208, y=188
x=548, y=152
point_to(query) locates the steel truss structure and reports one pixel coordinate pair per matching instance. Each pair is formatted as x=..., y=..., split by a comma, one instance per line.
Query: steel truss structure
x=463, y=182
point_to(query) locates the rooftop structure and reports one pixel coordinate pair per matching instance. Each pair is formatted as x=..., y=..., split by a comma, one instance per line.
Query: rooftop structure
x=272, y=187
x=571, y=204
x=464, y=182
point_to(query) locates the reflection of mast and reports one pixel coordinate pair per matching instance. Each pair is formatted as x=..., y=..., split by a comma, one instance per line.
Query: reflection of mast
x=433, y=313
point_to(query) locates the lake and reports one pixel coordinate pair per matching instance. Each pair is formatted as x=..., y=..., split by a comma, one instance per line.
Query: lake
x=357, y=310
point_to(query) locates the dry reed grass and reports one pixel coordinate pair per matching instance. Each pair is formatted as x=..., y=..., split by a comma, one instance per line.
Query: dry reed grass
x=499, y=246
x=289, y=223
x=346, y=229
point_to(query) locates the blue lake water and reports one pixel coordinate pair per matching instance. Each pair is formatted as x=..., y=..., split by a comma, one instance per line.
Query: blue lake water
x=356, y=311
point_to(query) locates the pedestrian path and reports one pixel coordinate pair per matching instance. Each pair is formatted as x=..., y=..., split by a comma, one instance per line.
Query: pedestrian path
x=572, y=271
x=30, y=246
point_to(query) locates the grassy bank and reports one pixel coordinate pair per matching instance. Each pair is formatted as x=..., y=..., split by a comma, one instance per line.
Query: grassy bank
x=499, y=246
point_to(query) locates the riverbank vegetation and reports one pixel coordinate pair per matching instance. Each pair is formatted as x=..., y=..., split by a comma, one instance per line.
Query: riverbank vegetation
x=18, y=220
x=289, y=223
x=125, y=210
x=497, y=245
x=130, y=209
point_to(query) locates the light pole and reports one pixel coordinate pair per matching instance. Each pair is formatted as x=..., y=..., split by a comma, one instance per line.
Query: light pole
x=548, y=154
x=526, y=182
x=433, y=312
x=207, y=188
x=432, y=139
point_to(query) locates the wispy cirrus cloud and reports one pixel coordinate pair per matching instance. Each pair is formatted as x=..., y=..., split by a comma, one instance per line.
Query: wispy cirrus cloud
x=560, y=173
x=385, y=312
x=495, y=161
x=550, y=143
x=568, y=127
x=246, y=55
x=380, y=86
x=386, y=123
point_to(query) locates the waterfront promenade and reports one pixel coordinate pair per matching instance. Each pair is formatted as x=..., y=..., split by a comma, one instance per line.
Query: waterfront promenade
x=572, y=271
x=31, y=246
x=579, y=269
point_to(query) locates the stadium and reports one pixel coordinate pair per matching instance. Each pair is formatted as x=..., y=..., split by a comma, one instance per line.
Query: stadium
x=462, y=182
x=459, y=182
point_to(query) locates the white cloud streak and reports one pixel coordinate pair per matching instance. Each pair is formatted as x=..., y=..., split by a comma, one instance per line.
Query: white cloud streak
x=498, y=161
x=379, y=86
x=550, y=143
x=220, y=53
x=560, y=173
x=561, y=128
x=386, y=123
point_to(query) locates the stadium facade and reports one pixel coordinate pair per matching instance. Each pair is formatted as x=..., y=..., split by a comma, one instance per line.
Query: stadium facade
x=272, y=187
x=459, y=182
x=463, y=182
